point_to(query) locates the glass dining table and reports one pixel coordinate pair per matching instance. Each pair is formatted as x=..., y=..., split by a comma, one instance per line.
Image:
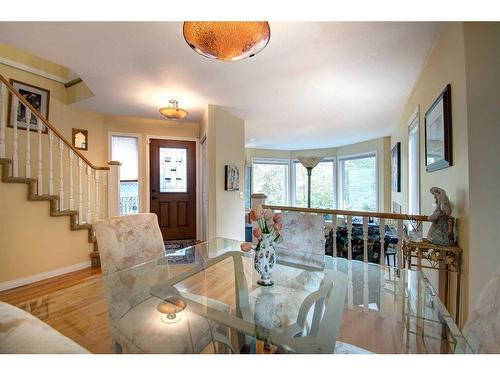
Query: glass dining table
x=205, y=299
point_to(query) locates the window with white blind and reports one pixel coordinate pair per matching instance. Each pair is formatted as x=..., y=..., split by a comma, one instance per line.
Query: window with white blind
x=125, y=149
x=414, y=167
x=270, y=176
x=358, y=183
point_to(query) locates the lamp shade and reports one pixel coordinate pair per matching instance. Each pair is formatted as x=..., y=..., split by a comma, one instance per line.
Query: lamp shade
x=173, y=112
x=228, y=41
x=309, y=161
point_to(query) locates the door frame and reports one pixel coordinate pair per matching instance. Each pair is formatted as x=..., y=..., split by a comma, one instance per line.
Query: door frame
x=198, y=174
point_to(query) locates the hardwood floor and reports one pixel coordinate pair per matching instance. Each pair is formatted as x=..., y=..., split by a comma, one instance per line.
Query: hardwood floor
x=75, y=305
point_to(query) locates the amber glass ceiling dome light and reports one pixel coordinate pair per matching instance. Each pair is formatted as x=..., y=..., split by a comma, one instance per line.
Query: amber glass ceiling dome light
x=173, y=112
x=228, y=41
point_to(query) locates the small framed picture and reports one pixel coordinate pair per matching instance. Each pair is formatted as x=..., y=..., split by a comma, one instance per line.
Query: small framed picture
x=396, y=167
x=80, y=138
x=438, y=145
x=232, y=182
x=38, y=97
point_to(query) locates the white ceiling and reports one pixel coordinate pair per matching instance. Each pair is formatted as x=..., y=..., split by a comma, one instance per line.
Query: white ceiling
x=316, y=84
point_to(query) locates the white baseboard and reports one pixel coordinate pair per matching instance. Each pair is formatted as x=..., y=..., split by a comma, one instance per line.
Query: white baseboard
x=42, y=276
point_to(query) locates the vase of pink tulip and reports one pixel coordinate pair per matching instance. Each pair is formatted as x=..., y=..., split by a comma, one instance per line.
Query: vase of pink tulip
x=267, y=232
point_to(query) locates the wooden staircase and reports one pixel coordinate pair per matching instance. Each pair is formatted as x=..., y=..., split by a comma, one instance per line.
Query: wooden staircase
x=53, y=207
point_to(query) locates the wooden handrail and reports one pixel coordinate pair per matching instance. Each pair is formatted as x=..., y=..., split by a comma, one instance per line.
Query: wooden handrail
x=48, y=124
x=322, y=211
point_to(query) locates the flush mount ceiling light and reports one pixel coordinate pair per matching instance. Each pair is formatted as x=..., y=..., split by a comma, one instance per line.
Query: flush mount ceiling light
x=173, y=112
x=228, y=41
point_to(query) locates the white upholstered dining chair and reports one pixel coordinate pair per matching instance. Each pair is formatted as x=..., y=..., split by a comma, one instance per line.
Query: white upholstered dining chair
x=482, y=329
x=22, y=333
x=303, y=244
x=135, y=323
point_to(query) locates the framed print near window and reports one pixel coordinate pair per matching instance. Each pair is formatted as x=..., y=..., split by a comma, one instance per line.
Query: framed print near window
x=396, y=167
x=80, y=139
x=38, y=97
x=232, y=182
x=438, y=132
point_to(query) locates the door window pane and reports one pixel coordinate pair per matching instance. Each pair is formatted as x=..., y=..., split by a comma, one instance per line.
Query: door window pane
x=271, y=179
x=173, y=176
x=359, y=183
x=322, y=185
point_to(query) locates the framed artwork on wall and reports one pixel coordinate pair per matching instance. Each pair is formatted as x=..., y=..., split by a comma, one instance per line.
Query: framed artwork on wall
x=80, y=138
x=438, y=145
x=396, y=167
x=232, y=175
x=38, y=97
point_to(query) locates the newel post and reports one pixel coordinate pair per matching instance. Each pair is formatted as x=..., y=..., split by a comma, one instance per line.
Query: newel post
x=114, y=188
x=257, y=198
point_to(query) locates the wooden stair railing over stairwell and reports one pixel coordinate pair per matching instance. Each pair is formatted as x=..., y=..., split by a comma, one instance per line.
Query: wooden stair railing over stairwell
x=95, y=194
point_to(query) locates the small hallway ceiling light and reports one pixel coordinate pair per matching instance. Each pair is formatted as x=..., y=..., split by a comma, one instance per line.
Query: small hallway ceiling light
x=228, y=41
x=173, y=112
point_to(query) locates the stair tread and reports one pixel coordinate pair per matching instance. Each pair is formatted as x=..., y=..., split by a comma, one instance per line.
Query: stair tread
x=20, y=180
x=43, y=197
x=64, y=213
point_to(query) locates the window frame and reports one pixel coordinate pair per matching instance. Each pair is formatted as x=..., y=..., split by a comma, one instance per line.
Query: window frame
x=340, y=176
x=293, y=190
x=139, y=155
x=414, y=127
x=273, y=161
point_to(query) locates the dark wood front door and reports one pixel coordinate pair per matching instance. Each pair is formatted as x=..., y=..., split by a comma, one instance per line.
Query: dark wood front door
x=173, y=187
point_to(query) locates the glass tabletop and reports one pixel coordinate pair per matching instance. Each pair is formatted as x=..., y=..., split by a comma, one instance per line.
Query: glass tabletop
x=206, y=297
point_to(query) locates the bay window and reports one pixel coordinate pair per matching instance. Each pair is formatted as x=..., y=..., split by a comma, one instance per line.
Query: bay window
x=358, y=183
x=270, y=176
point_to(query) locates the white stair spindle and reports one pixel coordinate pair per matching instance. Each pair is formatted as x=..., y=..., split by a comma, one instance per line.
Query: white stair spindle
x=71, y=201
x=61, y=176
x=96, y=195
x=3, y=101
x=51, y=166
x=399, y=246
x=39, y=125
x=365, y=239
x=334, y=228
x=15, y=157
x=381, y=231
x=104, y=194
x=349, y=239
x=80, y=192
x=89, y=176
x=27, y=171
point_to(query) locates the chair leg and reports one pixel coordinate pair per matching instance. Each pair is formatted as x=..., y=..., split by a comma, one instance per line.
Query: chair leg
x=115, y=347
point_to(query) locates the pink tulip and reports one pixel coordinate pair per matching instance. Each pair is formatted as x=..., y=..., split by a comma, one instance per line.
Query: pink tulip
x=278, y=227
x=246, y=246
x=251, y=216
x=277, y=218
x=268, y=214
x=258, y=211
x=257, y=232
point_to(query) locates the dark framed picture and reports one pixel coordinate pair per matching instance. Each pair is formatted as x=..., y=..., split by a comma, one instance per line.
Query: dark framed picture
x=232, y=175
x=38, y=97
x=438, y=145
x=80, y=138
x=396, y=167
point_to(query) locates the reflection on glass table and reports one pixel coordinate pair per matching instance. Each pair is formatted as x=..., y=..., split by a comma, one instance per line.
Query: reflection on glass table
x=306, y=311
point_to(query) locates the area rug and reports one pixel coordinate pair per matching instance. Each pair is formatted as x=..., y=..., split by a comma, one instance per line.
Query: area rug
x=179, y=251
x=173, y=245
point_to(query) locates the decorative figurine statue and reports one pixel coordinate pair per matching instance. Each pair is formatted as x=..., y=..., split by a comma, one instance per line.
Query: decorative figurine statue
x=441, y=230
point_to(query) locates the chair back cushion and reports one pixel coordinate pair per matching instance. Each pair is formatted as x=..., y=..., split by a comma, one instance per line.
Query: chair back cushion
x=21, y=332
x=482, y=330
x=126, y=241
x=302, y=240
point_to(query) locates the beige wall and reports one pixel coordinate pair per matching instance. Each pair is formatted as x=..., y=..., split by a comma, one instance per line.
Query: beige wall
x=380, y=145
x=444, y=65
x=482, y=64
x=226, y=145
